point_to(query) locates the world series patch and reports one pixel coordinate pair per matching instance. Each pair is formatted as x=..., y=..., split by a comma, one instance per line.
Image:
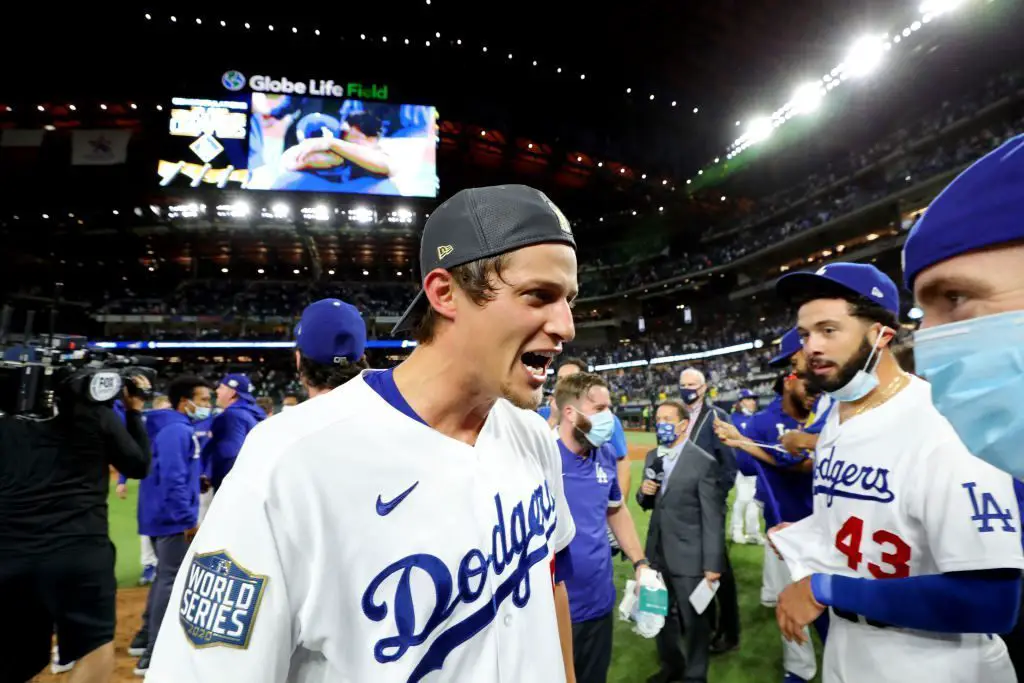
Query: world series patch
x=220, y=601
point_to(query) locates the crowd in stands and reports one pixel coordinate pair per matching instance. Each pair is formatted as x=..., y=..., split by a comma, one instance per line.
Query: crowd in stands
x=259, y=300
x=837, y=190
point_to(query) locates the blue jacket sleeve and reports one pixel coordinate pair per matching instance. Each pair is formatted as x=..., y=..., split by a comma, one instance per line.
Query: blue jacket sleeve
x=745, y=463
x=619, y=440
x=121, y=479
x=228, y=436
x=176, y=448
x=961, y=602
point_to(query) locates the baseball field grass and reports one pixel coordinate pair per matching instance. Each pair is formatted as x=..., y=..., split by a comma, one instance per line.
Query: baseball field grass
x=758, y=660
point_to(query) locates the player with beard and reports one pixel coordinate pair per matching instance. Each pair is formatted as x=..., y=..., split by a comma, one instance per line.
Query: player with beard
x=897, y=496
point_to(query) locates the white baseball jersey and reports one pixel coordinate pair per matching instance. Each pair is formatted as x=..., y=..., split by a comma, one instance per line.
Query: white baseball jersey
x=897, y=494
x=351, y=543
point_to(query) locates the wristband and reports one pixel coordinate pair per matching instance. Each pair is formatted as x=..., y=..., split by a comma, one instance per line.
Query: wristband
x=642, y=562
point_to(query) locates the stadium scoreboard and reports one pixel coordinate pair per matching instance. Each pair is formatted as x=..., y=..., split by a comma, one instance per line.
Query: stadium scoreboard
x=301, y=135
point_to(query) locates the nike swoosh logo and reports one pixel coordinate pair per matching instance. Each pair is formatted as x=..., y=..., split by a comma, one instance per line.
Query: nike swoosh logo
x=384, y=509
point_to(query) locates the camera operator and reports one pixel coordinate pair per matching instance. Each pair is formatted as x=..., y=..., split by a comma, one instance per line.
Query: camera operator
x=57, y=570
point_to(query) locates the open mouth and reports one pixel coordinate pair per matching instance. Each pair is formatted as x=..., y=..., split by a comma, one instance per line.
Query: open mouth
x=822, y=367
x=536, y=364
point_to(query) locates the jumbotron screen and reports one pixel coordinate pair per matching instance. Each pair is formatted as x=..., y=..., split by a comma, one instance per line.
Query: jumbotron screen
x=283, y=142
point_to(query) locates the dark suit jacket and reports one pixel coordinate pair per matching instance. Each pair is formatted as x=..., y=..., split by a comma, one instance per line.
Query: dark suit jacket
x=687, y=532
x=703, y=435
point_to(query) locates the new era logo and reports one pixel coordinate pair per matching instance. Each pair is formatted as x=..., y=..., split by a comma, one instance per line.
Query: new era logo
x=877, y=293
x=443, y=251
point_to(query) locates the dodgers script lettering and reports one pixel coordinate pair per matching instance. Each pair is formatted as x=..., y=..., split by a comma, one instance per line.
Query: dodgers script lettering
x=837, y=478
x=510, y=558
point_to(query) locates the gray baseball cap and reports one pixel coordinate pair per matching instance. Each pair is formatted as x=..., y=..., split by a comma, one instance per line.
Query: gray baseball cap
x=482, y=222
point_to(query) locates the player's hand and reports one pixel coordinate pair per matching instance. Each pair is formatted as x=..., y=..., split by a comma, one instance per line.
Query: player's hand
x=122, y=491
x=796, y=442
x=649, y=487
x=727, y=433
x=796, y=608
x=204, y=483
x=190, y=534
x=777, y=527
x=711, y=577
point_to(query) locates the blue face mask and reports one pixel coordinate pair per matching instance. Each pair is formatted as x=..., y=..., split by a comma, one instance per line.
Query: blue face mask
x=689, y=396
x=199, y=413
x=866, y=379
x=601, y=427
x=976, y=369
x=666, y=433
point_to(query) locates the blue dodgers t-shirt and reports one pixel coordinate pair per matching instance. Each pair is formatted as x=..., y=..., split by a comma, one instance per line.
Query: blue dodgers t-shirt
x=591, y=487
x=788, y=496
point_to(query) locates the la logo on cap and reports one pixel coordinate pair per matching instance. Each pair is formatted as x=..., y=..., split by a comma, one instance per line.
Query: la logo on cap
x=443, y=251
x=821, y=271
x=876, y=292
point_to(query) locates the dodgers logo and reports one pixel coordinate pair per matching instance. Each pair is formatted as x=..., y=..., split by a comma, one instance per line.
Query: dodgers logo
x=233, y=80
x=510, y=557
x=988, y=510
x=849, y=480
x=220, y=601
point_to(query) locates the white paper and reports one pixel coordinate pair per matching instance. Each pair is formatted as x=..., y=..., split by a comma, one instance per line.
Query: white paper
x=702, y=595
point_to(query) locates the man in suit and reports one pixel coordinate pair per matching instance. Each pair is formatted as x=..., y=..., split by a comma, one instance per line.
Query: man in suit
x=700, y=430
x=685, y=540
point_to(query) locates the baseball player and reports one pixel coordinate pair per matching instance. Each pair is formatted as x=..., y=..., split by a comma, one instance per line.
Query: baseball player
x=329, y=343
x=970, y=285
x=914, y=543
x=404, y=527
x=745, y=512
x=229, y=428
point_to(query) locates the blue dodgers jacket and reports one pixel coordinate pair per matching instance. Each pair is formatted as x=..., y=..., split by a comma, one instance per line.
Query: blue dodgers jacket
x=169, y=496
x=229, y=430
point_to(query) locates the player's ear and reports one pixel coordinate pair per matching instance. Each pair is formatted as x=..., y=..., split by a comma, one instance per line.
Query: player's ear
x=439, y=288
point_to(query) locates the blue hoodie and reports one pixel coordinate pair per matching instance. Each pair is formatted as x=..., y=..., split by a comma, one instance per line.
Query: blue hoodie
x=169, y=496
x=229, y=430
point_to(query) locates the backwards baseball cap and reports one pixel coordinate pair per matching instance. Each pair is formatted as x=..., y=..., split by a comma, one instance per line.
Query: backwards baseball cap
x=982, y=207
x=483, y=222
x=788, y=346
x=331, y=330
x=241, y=384
x=862, y=279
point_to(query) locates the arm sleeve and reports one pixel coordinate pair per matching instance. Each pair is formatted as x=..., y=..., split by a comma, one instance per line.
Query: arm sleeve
x=121, y=479
x=967, y=602
x=619, y=439
x=225, y=443
x=712, y=520
x=176, y=442
x=745, y=463
x=968, y=509
x=256, y=625
x=127, y=445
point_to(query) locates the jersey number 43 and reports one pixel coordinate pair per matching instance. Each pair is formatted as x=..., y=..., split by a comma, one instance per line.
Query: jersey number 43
x=895, y=564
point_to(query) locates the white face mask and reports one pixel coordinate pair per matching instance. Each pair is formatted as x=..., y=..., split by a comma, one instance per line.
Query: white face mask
x=866, y=379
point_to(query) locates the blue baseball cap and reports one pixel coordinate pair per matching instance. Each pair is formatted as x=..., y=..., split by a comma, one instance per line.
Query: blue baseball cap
x=747, y=393
x=862, y=279
x=982, y=207
x=241, y=384
x=788, y=346
x=330, y=330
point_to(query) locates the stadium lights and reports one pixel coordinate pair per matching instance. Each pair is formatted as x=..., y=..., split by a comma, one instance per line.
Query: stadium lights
x=872, y=237
x=361, y=214
x=295, y=271
x=316, y=31
x=366, y=272
x=864, y=57
x=331, y=271
x=673, y=103
x=937, y=7
x=696, y=109
x=50, y=127
x=760, y=129
x=40, y=107
x=223, y=23
x=260, y=271
x=280, y=210
x=173, y=19
x=915, y=313
x=223, y=270
x=320, y=212
x=807, y=98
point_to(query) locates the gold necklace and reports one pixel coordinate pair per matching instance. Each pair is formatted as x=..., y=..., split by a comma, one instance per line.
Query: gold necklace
x=888, y=392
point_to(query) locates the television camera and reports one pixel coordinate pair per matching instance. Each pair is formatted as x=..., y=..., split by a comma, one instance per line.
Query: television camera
x=38, y=374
